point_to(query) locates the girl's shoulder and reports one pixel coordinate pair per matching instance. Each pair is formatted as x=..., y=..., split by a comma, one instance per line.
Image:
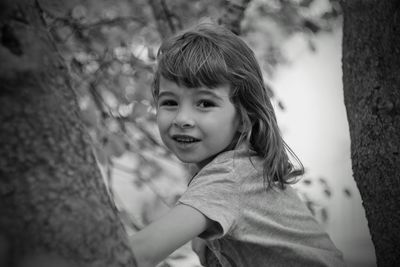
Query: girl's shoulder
x=242, y=160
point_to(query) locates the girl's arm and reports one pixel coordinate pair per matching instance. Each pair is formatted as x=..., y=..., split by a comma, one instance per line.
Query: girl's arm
x=156, y=241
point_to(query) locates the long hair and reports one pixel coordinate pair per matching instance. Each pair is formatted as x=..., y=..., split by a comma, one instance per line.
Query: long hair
x=210, y=55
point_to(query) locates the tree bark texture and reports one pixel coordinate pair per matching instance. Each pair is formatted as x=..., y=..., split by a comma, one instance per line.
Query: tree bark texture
x=371, y=79
x=54, y=206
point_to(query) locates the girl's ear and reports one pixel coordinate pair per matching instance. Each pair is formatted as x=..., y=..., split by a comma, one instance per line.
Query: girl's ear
x=244, y=120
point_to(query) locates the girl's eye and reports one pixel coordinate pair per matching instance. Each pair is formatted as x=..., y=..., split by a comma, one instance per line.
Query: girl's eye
x=206, y=104
x=167, y=103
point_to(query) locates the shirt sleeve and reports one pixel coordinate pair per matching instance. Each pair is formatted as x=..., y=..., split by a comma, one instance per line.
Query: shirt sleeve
x=213, y=192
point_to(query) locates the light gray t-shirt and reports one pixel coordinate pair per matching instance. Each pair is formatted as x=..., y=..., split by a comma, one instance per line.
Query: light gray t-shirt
x=254, y=227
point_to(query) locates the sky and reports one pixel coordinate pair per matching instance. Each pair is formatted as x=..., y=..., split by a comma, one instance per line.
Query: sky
x=314, y=124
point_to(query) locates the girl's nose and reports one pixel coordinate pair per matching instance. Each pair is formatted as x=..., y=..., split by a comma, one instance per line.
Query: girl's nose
x=183, y=120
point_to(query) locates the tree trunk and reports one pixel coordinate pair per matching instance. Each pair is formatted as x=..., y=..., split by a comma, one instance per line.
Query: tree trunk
x=55, y=210
x=371, y=80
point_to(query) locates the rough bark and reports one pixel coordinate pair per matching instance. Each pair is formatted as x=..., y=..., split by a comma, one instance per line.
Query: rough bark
x=55, y=210
x=371, y=79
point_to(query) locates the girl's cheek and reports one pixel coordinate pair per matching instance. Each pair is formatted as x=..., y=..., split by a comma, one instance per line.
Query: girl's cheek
x=163, y=120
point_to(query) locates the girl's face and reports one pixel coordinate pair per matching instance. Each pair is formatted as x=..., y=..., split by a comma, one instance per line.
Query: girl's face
x=196, y=124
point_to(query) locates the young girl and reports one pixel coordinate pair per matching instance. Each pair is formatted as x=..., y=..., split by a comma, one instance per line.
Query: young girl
x=213, y=110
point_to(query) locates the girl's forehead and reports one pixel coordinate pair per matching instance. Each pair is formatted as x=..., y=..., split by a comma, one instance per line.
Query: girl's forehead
x=172, y=87
x=167, y=84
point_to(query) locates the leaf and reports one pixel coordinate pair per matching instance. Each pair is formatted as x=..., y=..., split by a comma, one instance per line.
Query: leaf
x=328, y=192
x=138, y=183
x=140, y=110
x=306, y=3
x=63, y=33
x=312, y=46
x=115, y=145
x=100, y=155
x=324, y=215
x=310, y=206
x=311, y=25
x=347, y=192
x=58, y=8
x=79, y=12
x=281, y=105
x=125, y=110
x=322, y=181
x=177, y=256
x=90, y=116
x=150, y=53
x=76, y=66
x=164, y=264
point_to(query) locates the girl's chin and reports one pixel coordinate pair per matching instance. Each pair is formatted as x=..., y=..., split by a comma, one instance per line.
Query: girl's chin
x=193, y=158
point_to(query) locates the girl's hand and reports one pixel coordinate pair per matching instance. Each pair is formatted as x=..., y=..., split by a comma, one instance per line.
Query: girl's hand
x=199, y=247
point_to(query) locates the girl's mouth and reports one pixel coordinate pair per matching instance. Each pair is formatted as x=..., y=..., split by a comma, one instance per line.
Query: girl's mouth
x=185, y=139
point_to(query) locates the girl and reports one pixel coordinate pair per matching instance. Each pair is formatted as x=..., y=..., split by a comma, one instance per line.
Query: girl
x=213, y=110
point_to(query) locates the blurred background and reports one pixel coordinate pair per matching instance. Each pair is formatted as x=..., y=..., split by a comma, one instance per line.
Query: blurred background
x=110, y=48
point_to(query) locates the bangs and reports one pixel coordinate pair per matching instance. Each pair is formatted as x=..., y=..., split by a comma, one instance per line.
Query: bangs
x=193, y=61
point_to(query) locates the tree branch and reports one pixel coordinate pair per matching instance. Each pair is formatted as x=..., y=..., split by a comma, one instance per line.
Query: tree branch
x=233, y=13
x=166, y=24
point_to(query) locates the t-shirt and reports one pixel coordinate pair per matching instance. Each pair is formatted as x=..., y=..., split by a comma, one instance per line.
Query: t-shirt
x=253, y=226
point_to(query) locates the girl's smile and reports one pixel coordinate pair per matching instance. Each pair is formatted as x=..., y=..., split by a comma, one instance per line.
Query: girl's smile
x=196, y=124
x=185, y=141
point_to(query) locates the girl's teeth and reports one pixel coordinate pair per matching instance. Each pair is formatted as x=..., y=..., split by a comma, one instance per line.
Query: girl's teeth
x=185, y=140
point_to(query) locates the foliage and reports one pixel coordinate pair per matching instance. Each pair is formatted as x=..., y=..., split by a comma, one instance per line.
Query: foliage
x=318, y=204
x=110, y=48
x=279, y=20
